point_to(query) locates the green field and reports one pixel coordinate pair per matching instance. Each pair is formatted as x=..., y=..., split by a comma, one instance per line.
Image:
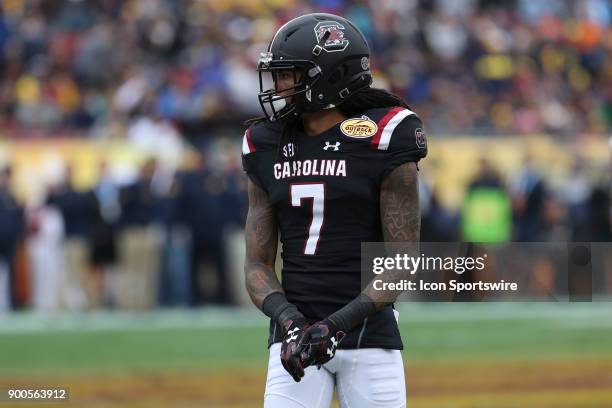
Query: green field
x=510, y=354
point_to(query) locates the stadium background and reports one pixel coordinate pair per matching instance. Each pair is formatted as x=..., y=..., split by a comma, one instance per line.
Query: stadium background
x=122, y=195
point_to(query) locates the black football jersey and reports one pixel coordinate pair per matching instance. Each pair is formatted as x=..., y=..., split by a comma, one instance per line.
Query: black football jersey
x=325, y=190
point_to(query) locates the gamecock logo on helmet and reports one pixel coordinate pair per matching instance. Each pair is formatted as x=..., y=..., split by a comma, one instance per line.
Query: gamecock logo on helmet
x=335, y=41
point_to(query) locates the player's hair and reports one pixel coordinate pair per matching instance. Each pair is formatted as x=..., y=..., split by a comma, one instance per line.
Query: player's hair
x=370, y=98
x=360, y=101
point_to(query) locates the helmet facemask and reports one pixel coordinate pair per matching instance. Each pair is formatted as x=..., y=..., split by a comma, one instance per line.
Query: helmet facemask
x=273, y=101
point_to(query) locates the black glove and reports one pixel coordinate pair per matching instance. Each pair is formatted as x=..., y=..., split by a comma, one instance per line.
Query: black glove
x=293, y=324
x=293, y=329
x=318, y=344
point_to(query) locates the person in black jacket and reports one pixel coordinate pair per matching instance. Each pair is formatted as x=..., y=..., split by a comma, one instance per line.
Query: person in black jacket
x=11, y=230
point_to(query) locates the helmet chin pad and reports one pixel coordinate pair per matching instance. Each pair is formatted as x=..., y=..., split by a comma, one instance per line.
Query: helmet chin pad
x=278, y=103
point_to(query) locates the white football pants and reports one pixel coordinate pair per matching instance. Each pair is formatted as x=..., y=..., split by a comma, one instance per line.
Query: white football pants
x=365, y=378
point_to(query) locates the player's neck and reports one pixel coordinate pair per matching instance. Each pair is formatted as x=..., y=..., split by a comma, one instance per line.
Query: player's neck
x=316, y=123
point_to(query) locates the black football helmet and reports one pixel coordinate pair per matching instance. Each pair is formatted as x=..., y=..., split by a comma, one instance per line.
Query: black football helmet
x=330, y=59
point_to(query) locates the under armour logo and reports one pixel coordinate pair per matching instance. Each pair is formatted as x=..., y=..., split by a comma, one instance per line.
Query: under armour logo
x=292, y=335
x=332, y=349
x=335, y=146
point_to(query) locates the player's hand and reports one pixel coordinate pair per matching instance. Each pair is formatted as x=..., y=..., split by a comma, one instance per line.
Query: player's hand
x=318, y=344
x=293, y=330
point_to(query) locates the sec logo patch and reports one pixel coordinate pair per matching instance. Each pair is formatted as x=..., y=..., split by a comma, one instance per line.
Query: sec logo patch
x=359, y=127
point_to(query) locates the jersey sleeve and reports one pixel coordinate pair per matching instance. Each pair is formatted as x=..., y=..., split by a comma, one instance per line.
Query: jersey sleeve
x=249, y=159
x=401, y=138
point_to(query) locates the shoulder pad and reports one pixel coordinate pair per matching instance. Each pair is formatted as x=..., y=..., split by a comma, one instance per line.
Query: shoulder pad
x=387, y=121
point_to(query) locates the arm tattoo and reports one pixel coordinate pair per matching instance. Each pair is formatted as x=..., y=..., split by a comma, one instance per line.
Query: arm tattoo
x=261, y=240
x=400, y=219
x=399, y=205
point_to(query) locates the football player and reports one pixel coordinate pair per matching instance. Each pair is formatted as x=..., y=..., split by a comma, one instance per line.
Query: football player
x=332, y=164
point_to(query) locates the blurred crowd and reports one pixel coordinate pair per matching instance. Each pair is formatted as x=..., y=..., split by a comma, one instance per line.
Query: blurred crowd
x=159, y=240
x=542, y=221
x=523, y=207
x=467, y=66
x=165, y=239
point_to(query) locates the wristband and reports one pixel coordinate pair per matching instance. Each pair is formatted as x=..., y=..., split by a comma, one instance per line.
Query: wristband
x=353, y=313
x=279, y=309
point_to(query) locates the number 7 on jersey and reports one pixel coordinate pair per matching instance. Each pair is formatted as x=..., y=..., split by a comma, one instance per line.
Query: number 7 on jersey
x=316, y=192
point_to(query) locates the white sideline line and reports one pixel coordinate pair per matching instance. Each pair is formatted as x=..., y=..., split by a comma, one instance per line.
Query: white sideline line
x=30, y=322
x=428, y=312
x=561, y=315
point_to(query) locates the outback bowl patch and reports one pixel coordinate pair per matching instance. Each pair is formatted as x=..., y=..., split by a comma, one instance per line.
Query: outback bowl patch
x=359, y=127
